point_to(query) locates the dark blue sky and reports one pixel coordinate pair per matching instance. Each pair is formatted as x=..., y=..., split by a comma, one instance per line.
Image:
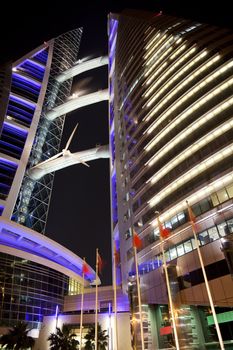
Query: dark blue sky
x=79, y=216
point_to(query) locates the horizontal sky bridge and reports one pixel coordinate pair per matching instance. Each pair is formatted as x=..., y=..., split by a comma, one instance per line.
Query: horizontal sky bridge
x=81, y=67
x=78, y=102
x=66, y=160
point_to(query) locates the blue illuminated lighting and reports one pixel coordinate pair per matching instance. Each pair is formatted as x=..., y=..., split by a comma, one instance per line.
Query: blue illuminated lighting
x=31, y=81
x=32, y=68
x=146, y=267
x=23, y=102
x=114, y=199
x=112, y=41
x=1, y=209
x=34, y=63
x=57, y=309
x=114, y=25
x=12, y=140
x=17, y=129
x=19, y=110
x=41, y=246
x=8, y=163
x=7, y=173
x=41, y=55
x=12, y=146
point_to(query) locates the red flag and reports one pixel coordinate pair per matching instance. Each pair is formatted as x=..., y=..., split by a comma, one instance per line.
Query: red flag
x=163, y=231
x=85, y=268
x=137, y=242
x=99, y=263
x=116, y=255
x=192, y=217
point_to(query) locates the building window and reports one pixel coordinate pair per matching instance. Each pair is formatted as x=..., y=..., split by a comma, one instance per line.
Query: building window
x=222, y=229
x=180, y=250
x=214, y=199
x=173, y=253
x=230, y=225
x=230, y=190
x=188, y=246
x=213, y=233
x=222, y=196
x=204, y=238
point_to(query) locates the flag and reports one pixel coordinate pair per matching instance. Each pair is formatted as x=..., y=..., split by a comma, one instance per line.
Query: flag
x=99, y=263
x=163, y=231
x=85, y=268
x=116, y=255
x=137, y=242
x=192, y=217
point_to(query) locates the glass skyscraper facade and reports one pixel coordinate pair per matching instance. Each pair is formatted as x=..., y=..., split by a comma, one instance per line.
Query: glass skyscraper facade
x=29, y=291
x=31, y=208
x=170, y=121
x=35, y=272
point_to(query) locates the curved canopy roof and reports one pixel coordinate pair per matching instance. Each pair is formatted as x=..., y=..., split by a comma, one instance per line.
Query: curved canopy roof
x=21, y=241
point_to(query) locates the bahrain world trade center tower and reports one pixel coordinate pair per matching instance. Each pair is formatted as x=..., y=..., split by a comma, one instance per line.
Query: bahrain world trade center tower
x=171, y=142
x=36, y=272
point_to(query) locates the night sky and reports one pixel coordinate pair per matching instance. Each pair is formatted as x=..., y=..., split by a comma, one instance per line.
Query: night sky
x=79, y=216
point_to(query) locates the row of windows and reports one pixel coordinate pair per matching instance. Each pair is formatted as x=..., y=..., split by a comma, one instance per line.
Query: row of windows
x=33, y=298
x=140, y=148
x=29, y=269
x=8, y=318
x=28, y=291
x=178, y=250
x=178, y=170
x=184, y=191
x=167, y=174
x=176, y=221
x=23, y=278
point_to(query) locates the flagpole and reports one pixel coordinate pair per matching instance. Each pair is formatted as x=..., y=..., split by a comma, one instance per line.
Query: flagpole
x=205, y=279
x=139, y=297
x=169, y=290
x=81, y=316
x=115, y=298
x=96, y=299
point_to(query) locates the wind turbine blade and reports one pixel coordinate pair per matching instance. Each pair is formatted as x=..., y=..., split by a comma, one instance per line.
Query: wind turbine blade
x=80, y=161
x=70, y=138
x=85, y=163
x=48, y=160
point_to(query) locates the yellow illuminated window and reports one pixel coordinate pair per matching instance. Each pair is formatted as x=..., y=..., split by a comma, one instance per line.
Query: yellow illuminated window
x=222, y=195
x=230, y=190
x=214, y=199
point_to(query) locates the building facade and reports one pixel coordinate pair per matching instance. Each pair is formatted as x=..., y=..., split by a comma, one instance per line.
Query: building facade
x=106, y=317
x=35, y=272
x=171, y=141
x=28, y=137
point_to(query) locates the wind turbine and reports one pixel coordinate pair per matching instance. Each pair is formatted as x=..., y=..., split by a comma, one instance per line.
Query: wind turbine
x=65, y=152
x=65, y=158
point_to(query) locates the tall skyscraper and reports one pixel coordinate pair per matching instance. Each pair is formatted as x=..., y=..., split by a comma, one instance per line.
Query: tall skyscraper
x=35, y=272
x=171, y=141
x=28, y=137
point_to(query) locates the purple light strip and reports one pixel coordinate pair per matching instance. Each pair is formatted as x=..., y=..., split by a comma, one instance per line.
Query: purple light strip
x=113, y=29
x=38, y=65
x=6, y=161
x=57, y=308
x=31, y=81
x=22, y=131
x=23, y=101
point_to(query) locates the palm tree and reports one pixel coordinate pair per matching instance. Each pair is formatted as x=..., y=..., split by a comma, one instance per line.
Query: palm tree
x=102, y=338
x=63, y=339
x=17, y=338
